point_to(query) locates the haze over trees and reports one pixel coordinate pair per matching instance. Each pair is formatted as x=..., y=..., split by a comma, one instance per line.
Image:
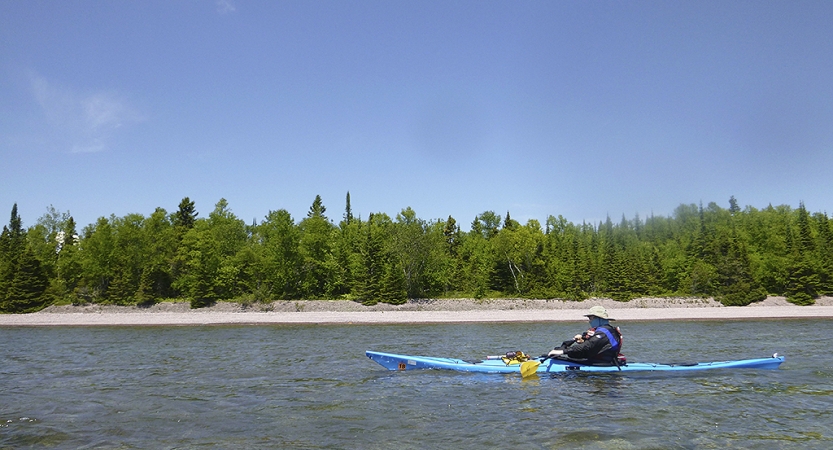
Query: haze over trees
x=735, y=255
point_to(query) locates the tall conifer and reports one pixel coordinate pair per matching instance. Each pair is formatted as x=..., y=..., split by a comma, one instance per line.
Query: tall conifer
x=317, y=209
x=187, y=214
x=348, y=210
x=25, y=291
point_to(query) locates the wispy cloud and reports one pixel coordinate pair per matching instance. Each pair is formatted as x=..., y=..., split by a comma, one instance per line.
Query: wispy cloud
x=225, y=6
x=85, y=122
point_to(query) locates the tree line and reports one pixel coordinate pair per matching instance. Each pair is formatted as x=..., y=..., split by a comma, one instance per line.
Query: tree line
x=735, y=255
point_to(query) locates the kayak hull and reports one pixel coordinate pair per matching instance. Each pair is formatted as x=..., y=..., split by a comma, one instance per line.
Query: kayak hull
x=405, y=362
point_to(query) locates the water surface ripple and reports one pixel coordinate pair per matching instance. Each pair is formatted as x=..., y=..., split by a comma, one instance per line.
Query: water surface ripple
x=311, y=387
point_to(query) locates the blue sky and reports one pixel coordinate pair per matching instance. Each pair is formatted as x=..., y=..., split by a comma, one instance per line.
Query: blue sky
x=580, y=109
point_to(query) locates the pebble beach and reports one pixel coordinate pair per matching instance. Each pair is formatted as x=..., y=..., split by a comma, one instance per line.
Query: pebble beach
x=414, y=311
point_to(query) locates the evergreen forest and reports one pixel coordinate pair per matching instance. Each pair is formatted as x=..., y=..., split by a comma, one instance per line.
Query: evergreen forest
x=734, y=255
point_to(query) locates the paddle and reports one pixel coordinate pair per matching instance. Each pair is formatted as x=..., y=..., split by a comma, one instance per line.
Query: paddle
x=529, y=368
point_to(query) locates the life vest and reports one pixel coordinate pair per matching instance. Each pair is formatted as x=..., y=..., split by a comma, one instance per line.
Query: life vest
x=615, y=342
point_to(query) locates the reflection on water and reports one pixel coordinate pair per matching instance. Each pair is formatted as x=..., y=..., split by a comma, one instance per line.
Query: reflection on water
x=312, y=387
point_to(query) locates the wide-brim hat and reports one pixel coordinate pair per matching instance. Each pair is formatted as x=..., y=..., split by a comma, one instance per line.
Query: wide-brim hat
x=599, y=312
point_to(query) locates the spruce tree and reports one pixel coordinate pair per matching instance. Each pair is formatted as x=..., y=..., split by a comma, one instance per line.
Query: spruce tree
x=121, y=288
x=805, y=236
x=368, y=280
x=186, y=216
x=802, y=282
x=451, y=232
x=26, y=290
x=12, y=248
x=67, y=271
x=509, y=224
x=348, y=210
x=824, y=254
x=317, y=209
x=737, y=287
x=476, y=227
x=70, y=234
x=393, y=289
x=733, y=205
x=803, y=277
x=12, y=239
x=6, y=268
x=15, y=224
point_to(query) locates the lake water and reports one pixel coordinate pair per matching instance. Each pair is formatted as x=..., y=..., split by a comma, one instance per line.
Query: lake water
x=311, y=387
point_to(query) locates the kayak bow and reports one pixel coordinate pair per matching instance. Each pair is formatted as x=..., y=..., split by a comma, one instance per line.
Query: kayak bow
x=405, y=362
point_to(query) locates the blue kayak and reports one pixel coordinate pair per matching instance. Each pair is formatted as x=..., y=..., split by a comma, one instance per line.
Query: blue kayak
x=404, y=362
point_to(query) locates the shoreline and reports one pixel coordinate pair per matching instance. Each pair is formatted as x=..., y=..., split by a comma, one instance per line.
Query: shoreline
x=325, y=312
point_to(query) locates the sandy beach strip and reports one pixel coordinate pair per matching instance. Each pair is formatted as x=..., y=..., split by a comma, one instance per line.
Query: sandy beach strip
x=452, y=311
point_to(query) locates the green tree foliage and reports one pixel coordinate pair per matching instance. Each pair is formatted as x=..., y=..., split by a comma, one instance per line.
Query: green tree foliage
x=370, y=271
x=26, y=289
x=210, y=268
x=316, y=248
x=12, y=244
x=824, y=254
x=735, y=255
x=410, y=252
x=98, y=244
x=733, y=206
x=803, y=269
x=51, y=239
x=159, y=243
x=348, y=210
x=517, y=253
x=68, y=271
x=487, y=224
x=317, y=209
x=23, y=281
x=187, y=214
x=347, y=254
x=279, y=240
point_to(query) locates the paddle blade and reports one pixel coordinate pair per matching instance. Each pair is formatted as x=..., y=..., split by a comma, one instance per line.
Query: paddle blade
x=528, y=368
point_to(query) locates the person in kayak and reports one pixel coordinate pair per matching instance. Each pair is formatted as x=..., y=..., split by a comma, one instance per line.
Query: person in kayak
x=600, y=344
